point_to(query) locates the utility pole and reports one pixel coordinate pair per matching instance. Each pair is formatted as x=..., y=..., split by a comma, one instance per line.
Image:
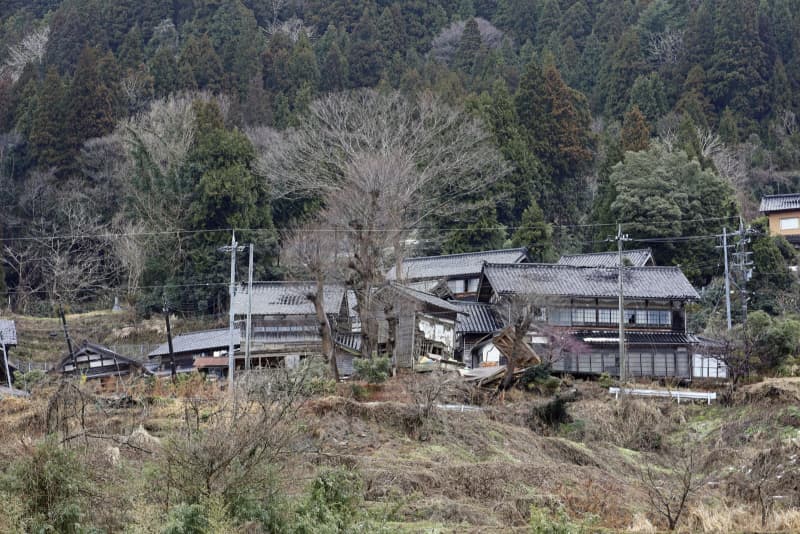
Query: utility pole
x=742, y=263
x=727, y=277
x=249, y=324
x=623, y=363
x=232, y=248
x=173, y=371
x=69, y=341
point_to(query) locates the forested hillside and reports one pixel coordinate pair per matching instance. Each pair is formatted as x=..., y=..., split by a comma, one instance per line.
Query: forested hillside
x=132, y=132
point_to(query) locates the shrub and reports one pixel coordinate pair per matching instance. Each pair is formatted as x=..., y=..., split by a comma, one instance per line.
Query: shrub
x=334, y=504
x=52, y=485
x=544, y=522
x=27, y=380
x=373, y=370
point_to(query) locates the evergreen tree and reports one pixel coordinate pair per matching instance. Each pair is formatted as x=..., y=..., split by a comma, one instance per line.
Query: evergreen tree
x=635, y=135
x=302, y=67
x=649, y=96
x=47, y=137
x=738, y=69
x=535, y=234
x=780, y=88
x=131, y=53
x=205, y=65
x=548, y=22
x=469, y=46
x=366, y=56
x=660, y=194
x=576, y=23
x=728, y=128
x=94, y=97
x=164, y=69
x=334, y=70
x=620, y=72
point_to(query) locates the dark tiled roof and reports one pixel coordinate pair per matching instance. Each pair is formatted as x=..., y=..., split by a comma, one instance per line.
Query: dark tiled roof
x=88, y=352
x=9, y=331
x=422, y=296
x=780, y=203
x=199, y=342
x=637, y=338
x=477, y=318
x=568, y=281
x=635, y=258
x=455, y=265
x=289, y=298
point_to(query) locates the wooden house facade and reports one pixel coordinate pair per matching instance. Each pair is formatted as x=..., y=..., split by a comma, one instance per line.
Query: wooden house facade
x=581, y=303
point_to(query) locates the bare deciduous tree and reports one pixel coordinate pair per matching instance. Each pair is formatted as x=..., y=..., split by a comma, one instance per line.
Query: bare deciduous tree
x=666, y=48
x=380, y=164
x=670, y=490
x=311, y=250
x=65, y=251
x=30, y=50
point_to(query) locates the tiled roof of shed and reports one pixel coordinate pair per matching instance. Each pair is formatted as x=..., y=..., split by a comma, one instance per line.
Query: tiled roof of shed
x=421, y=296
x=198, y=342
x=568, y=281
x=289, y=298
x=780, y=203
x=635, y=258
x=477, y=318
x=453, y=265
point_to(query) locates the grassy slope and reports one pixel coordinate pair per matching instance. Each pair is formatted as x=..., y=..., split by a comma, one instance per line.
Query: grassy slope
x=474, y=472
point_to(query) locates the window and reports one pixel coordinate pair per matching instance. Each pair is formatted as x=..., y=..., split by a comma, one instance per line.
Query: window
x=560, y=316
x=472, y=285
x=790, y=223
x=607, y=316
x=583, y=316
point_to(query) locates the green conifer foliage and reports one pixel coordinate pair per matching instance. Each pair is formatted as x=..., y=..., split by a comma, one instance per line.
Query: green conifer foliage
x=635, y=135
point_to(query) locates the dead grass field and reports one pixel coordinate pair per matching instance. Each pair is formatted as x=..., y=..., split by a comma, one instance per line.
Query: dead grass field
x=484, y=471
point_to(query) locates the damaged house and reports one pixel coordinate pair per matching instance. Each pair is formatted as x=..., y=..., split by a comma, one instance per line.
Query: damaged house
x=578, y=309
x=414, y=326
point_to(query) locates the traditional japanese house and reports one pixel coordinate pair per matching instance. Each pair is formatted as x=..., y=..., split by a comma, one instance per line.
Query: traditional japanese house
x=187, y=347
x=460, y=272
x=284, y=323
x=583, y=302
x=97, y=362
x=630, y=258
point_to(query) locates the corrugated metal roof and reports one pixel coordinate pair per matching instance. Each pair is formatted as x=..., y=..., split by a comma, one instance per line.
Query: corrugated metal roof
x=636, y=338
x=772, y=203
x=568, y=281
x=289, y=298
x=9, y=331
x=198, y=342
x=455, y=265
x=633, y=258
x=477, y=318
